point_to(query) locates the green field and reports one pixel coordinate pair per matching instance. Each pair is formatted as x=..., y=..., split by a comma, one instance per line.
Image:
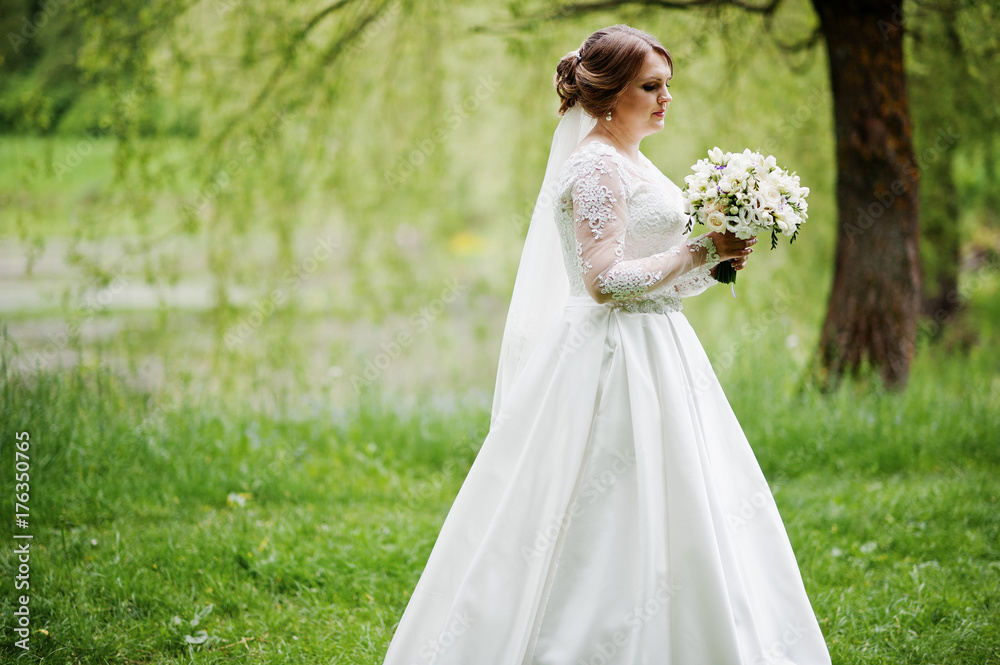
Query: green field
x=296, y=535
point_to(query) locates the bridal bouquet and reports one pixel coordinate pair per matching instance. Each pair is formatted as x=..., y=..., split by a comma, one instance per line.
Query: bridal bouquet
x=746, y=193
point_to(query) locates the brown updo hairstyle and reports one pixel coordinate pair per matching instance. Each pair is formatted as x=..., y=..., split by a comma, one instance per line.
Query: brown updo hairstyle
x=609, y=60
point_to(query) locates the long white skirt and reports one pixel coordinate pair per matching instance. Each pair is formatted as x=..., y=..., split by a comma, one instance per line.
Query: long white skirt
x=615, y=514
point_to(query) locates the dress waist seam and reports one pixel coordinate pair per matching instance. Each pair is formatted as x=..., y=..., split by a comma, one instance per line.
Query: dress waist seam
x=645, y=306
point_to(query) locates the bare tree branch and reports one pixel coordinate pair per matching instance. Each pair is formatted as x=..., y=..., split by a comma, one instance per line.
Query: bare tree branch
x=765, y=8
x=320, y=15
x=337, y=48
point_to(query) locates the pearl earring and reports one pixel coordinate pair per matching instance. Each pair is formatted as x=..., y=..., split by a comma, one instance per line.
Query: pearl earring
x=608, y=116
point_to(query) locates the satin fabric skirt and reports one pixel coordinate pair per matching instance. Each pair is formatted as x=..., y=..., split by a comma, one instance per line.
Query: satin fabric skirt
x=615, y=514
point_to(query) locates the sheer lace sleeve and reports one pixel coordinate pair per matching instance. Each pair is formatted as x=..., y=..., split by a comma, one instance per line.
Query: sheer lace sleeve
x=698, y=279
x=600, y=211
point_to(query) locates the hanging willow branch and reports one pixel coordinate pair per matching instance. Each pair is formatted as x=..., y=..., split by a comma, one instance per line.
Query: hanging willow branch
x=335, y=49
x=581, y=8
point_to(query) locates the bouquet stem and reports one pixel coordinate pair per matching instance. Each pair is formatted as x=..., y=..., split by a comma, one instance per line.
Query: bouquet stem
x=725, y=273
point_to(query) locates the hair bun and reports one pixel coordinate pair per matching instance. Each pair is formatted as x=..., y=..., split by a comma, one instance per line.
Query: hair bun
x=565, y=80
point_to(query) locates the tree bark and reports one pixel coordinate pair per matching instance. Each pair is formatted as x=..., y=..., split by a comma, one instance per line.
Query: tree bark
x=875, y=301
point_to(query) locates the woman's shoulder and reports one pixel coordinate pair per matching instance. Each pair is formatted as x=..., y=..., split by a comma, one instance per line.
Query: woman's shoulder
x=590, y=157
x=592, y=151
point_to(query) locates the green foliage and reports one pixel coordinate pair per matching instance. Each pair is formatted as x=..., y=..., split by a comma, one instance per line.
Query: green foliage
x=39, y=77
x=952, y=49
x=297, y=533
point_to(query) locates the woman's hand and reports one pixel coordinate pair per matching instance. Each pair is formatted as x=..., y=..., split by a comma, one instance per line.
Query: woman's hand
x=729, y=247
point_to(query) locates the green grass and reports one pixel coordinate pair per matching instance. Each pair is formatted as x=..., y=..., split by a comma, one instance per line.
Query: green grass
x=890, y=502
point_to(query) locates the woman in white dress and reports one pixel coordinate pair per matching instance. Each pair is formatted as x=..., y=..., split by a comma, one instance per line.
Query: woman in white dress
x=615, y=512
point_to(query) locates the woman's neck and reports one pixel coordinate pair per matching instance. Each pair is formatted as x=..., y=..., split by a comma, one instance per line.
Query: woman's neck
x=620, y=139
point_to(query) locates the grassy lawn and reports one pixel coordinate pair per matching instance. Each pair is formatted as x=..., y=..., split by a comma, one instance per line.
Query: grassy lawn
x=203, y=530
x=209, y=481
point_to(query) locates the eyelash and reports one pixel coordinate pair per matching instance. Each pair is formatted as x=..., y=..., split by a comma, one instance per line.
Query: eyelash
x=651, y=88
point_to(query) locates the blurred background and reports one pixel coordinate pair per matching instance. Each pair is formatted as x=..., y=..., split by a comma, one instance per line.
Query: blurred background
x=263, y=198
x=260, y=254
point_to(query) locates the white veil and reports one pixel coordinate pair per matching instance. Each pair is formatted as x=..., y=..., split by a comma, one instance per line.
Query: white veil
x=541, y=285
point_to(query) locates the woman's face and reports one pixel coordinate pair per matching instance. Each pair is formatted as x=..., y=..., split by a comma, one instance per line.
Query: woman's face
x=642, y=106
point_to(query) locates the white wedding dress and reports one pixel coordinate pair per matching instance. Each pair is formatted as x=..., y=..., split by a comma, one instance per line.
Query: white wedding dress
x=615, y=513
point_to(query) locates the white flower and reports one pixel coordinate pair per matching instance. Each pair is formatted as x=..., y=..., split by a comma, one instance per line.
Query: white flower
x=742, y=178
x=735, y=224
x=787, y=221
x=716, y=155
x=716, y=221
x=782, y=222
x=771, y=196
x=727, y=183
x=794, y=222
x=742, y=162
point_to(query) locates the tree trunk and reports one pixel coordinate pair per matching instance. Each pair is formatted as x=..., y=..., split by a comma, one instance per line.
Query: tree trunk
x=875, y=300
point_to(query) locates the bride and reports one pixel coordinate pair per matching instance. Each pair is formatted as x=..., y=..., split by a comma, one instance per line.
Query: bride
x=615, y=512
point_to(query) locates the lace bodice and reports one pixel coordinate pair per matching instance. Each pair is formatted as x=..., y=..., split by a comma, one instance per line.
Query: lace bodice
x=622, y=228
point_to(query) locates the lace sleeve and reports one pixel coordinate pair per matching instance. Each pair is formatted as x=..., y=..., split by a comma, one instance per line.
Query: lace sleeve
x=600, y=212
x=698, y=279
